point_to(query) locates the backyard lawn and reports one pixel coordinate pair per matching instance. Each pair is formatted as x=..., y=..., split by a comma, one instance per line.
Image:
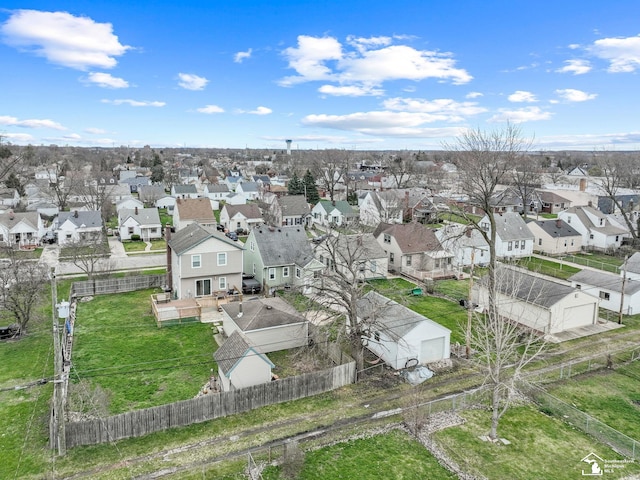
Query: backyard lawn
x=119, y=349
x=541, y=447
x=139, y=246
x=548, y=267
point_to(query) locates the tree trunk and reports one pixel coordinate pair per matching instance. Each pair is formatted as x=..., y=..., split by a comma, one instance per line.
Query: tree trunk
x=495, y=413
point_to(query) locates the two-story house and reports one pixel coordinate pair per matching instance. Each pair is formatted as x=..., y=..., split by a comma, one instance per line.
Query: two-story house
x=292, y=210
x=241, y=217
x=204, y=262
x=555, y=237
x=513, y=237
x=598, y=233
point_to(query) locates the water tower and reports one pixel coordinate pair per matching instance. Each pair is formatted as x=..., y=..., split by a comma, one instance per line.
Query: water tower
x=288, y=147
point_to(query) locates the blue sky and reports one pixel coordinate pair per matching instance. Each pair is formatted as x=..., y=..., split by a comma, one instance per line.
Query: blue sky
x=366, y=75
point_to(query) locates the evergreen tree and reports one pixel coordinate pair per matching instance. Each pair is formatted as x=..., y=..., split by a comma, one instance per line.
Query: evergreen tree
x=295, y=186
x=311, y=190
x=13, y=181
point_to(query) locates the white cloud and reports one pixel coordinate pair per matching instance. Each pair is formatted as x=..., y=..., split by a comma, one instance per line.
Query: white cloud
x=210, y=109
x=572, y=95
x=106, y=80
x=577, y=67
x=30, y=123
x=240, y=56
x=19, y=137
x=370, y=62
x=261, y=111
x=95, y=131
x=350, y=90
x=447, y=109
x=623, y=54
x=527, y=114
x=190, y=81
x=396, y=124
x=521, y=96
x=63, y=39
x=589, y=141
x=474, y=95
x=134, y=103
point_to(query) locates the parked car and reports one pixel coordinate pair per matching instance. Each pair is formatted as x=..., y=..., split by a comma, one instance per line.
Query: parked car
x=250, y=285
x=49, y=238
x=232, y=235
x=220, y=227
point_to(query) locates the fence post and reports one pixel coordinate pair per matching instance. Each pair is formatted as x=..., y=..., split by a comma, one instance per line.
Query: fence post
x=587, y=427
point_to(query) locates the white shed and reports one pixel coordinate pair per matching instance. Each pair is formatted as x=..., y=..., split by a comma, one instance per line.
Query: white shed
x=400, y=336
x=241, y=364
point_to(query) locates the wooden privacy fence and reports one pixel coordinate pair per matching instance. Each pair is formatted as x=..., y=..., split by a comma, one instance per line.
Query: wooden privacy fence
x=105, y=286
x=142, y=422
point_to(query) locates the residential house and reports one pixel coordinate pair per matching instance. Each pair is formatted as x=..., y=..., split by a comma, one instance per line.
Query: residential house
x=9, y=197
x=337, y=213
x=167, y=202
x=292, y=210
x=144, y=222
x=78, y=226
x=241, y=217
x=376, y=207
x=513, y=237
x=415, y=251
x=192, y=210
x=150, y=194
x=135, y=182
x=250, y=190
x=400, y=336
x=281, y=258
x=235, y=199
x=598, y=232
x=232, y=182
x=117, y=192
x=241, y=364
x=216, y=191
x=510, y=200
x=357, y=257
x=129, y=203
x=552, y=202
x=555, y=237
x=184, y=191
x=204, y=262
x=21, y=229
x=468, y=245
x=269, y=323
x=540, y=304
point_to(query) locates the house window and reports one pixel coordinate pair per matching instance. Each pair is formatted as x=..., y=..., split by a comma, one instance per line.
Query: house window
x=387, y=238
x=203, y=287
x=252, y=245
x=254, y=268
x=408, y=260
x=285, y=271
x=565, y=243
x=238, y=225
x=272, y=274
x=222, y=283
x=222, y=258
x=578, y=286
x=299, y=273
x=604, y=295
x=485, y=226
x=572, y=242
x=510, y=246
x=591, y=236
x=196, y=261
x=482, y=253
x=391, y=257
x=569, y=219
x=617, y=238
x=130, y=230
x=373, y=265
x=540, y=241
x=154, y=230
x=517, y=245
x=376, y=336
x=437, y=263
x=361, y=266
x=522, y=244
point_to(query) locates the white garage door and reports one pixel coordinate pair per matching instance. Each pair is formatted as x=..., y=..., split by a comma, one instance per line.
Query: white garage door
x=577, y=316
x=432, y=350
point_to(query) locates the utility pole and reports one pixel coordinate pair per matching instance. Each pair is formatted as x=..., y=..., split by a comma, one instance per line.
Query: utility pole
x=624, y=282
x=57, y=438
x=470, y=306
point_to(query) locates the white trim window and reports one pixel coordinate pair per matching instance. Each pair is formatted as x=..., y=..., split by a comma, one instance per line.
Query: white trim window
x=222, y=258
x=298, y=272
x=196, y=261
x=272, y=273
x=285, y=272
x=222, y=283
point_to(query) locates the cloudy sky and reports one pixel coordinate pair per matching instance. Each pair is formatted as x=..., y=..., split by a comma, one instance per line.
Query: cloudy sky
x=326, y=74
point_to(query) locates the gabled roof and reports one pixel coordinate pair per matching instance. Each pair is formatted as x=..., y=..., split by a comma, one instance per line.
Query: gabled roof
x=85, y=219
x=10, y=219
x=217, y=188
x=194, y=234
x=412, y=237
x=283, y=246
x=606, y=281
x=293, y=205
x=234, y=349
x=551, y=197
x=265, y=179
x=195, y=209
x=8, y=192
x=263, y=313
x=249, y=210
x=341, y=205
x=248, y=187
x=606, y=229
x=185, y=189
x=531, y=289
x=352, y=248
x=510, y=226
x=395, y=319
x=144, y=216
x=151, y=192
x=633, y=263
x=556, y=228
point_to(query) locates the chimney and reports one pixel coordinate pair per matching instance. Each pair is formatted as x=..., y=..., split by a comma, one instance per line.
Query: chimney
x=558, y=223
x=468, y=232
x=75, y=214
x=136, y=210
x=167, y=237
x=11, y=215
x=583, y=184
x=239, y=310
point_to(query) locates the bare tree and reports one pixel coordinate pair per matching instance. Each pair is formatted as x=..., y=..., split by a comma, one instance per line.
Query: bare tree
x=503, y=345
x=401, y=169
x=22, y=286
x=330, y=167
x=618, y=173
x=525, y=178
x=90, y=255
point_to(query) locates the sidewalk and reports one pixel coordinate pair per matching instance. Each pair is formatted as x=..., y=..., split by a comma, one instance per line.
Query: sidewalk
x=116, y=248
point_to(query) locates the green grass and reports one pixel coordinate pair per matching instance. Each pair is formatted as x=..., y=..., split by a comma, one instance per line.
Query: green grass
x=611, y=396
x=453, y=217
x=541, y=447
x=165, y=218
x=22, y=254
x=548, y=267
x=394, y=455
x=139, y=246
x=119, y=348
x=455, y=289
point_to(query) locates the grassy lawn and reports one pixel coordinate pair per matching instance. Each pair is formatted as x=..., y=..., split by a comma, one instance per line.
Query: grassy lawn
x=455, y=289
x=23, y=254
x=610, y=396
x=136, y=365
x=165, y=218
x=541, y=447
x=597, y=260
x=548, y=267
x=139, y=246
x=394, y=455
x=297, y=361
x=452, y=217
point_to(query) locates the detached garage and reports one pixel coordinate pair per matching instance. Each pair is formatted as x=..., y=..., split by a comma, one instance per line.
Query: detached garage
x=400, y=336
x=543, y=305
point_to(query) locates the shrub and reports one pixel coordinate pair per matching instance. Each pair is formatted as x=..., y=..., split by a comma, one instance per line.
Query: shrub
x=135, y=237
